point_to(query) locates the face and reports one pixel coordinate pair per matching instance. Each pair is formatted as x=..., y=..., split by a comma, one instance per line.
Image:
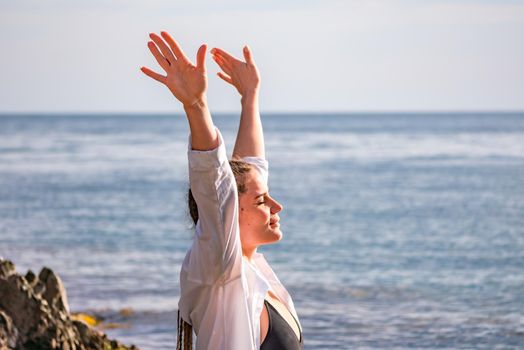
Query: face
x=258, y=217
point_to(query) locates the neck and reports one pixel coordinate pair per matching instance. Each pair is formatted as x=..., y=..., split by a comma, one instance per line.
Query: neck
x=249, y=253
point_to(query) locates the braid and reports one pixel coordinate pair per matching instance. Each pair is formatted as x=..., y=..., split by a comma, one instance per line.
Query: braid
x=185, y=334
x=178, y=338
x=188, y=336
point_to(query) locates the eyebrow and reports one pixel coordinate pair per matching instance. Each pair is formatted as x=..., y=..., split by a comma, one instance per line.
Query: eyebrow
x=260, y=195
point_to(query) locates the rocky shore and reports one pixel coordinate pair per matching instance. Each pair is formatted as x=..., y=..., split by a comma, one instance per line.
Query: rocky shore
x=34, y=314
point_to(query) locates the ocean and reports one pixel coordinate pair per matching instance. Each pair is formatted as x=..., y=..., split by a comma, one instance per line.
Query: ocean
x=400, y=230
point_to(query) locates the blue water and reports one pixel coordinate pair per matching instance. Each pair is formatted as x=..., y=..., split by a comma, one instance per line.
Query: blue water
x=401, y=231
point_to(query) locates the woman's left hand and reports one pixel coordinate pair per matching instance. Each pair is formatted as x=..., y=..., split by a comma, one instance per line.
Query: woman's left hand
x=244, y=76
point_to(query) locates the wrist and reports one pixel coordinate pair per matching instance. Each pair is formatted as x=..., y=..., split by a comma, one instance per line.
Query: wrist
x=198, y=104
x=250, y=97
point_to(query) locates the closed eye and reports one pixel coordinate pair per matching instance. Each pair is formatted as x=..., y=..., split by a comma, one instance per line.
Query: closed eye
x=263, y=195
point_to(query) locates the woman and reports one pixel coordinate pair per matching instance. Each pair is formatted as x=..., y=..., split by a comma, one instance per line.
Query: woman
x=230, y=295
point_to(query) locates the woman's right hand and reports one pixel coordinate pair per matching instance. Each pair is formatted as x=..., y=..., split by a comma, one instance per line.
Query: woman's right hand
x=187, y=82
x=244, y=76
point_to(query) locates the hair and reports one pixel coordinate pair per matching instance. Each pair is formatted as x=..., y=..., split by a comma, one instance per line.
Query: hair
x=240, y=169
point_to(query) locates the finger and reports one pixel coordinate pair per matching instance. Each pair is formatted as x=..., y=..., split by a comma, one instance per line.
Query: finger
x=156, y=76
x=180, y=55
x=224, y=54
x=225, y=77
x=248, y=55
x=201, y=58
x=222, y=64
x=225, y=62
x=158, y=56
x=166, y=51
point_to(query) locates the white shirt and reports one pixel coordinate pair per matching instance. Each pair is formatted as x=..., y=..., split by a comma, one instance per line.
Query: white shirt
x=222, y=293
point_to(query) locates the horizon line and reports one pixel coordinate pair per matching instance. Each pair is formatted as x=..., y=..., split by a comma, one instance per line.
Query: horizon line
x=315, y=112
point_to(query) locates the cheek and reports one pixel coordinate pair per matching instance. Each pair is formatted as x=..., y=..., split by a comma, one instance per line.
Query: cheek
x=245, y=217
x=261, y=217
x=253, y=218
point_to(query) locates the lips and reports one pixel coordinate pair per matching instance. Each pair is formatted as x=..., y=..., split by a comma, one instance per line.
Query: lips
x=274, y=222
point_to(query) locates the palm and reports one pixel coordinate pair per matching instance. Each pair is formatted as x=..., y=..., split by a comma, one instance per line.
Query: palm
x=187, y=82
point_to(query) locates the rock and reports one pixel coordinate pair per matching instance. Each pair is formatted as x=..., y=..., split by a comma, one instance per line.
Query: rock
x=34, y=314
x=7, y=268
x=8, y=332
x=30, y=277
x=54, y=291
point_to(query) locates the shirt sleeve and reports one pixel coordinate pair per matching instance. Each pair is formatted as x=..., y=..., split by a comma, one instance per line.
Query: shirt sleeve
x=216, y=252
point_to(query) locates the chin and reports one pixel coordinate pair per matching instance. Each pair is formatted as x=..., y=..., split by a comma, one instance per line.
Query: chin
x=278, y=235
x=274, y=236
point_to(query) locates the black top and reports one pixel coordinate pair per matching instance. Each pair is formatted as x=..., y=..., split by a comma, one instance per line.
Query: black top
x=280, y=335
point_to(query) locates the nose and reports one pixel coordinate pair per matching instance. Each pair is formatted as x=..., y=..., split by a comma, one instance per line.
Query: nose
x=276, y=206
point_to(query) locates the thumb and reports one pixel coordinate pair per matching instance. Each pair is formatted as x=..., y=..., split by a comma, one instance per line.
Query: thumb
x=201, y=58
x=248, y=55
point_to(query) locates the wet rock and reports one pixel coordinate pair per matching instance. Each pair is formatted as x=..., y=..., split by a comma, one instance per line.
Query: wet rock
x=34, y=314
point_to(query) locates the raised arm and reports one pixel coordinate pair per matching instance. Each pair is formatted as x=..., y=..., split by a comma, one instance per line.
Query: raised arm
x=245, y=77
x=188, y=83
x=216, y=253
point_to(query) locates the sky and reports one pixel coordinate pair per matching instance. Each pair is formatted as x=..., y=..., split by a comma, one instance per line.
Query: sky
x=314, y=56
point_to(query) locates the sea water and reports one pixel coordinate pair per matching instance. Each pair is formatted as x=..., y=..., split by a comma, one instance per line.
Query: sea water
x=400, y=231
